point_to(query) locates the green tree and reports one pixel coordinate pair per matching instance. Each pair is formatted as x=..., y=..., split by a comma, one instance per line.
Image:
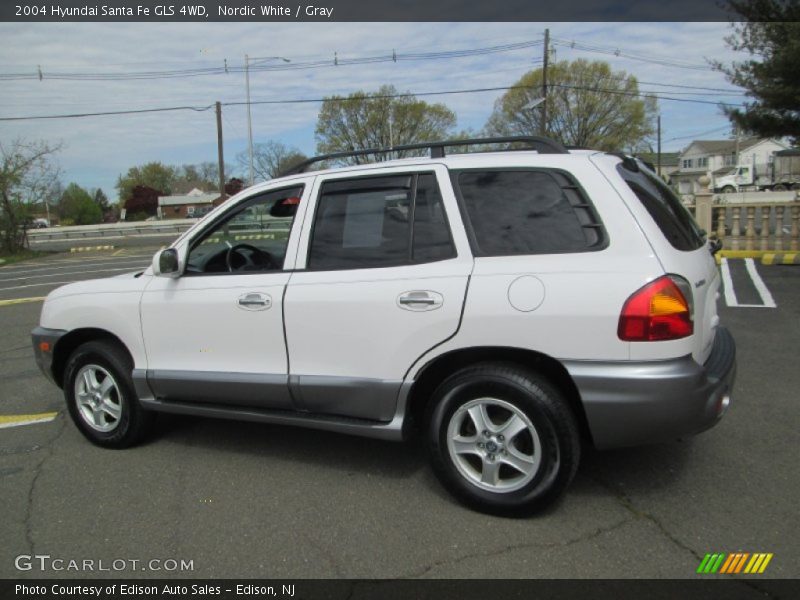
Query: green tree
x=769, y=32
x=270, y=159
x=203, y=176
x=79, y=207
x=379, y=120
x=154, y=175
x=26, y=176
x=101, y=200
x=588, y=105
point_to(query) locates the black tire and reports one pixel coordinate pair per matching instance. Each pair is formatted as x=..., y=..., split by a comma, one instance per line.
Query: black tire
x=133, y=422
x=779, y=188
x=532, y=395
x=728, y=189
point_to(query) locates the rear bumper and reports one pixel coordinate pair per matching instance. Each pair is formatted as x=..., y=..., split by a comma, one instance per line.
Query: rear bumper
x=633, y=403
x=44, y=342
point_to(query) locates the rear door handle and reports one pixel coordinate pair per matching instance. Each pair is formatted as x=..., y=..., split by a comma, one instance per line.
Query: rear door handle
x=255, y=301
x=420, y=300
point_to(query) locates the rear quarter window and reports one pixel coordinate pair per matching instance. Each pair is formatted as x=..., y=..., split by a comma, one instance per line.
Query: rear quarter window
x=666, y=209
x=522, y=211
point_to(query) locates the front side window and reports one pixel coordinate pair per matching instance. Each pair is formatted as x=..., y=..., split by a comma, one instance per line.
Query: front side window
x=527, y=212
x=252, y=239
x=379, y=222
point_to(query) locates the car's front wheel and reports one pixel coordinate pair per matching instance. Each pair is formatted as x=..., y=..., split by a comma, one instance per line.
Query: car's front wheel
x=502, y=439
x=100, y=396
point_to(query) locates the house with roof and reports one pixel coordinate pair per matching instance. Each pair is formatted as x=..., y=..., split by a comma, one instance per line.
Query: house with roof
x=717, y=157
x=194, y=204
x=666, y=166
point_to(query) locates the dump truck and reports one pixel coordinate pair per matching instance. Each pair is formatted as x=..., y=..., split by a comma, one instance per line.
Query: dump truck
x=781, y=175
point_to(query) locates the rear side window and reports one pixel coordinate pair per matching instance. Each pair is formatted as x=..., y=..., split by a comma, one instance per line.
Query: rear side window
x=666, y=209
x=527, y=212
x=379, y=222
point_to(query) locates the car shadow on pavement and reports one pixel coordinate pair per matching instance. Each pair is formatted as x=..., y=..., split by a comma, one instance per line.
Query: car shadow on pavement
x=293, y=444
x=630, y=471
x=622, y=473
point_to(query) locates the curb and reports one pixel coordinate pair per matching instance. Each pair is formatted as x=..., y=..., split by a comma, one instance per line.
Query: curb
x=781, y=258
x=90, y=248
x=739, y=254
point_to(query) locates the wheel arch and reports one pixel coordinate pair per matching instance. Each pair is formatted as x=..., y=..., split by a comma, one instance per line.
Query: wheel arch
x=439, y=368
x=71, y=340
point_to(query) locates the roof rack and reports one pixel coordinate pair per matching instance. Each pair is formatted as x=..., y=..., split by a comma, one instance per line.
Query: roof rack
x=541, y=144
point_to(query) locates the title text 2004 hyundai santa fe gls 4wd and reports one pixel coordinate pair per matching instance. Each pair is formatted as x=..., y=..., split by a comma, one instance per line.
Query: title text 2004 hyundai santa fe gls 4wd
x=514, y=305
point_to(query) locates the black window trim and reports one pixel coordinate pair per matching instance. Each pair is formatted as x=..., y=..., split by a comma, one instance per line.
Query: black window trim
x=415, y=175
x=693, y=228
x=603, y=241
x=197, y=239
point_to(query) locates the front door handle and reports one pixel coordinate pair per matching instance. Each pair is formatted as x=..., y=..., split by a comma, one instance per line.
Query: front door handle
x=254, y=301
x=419, y=300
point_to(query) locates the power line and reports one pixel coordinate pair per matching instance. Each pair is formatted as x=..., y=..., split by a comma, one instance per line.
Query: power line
x=110, y=112
x=362, y=97
x=653, y=59
x=293, y=66
x=695, y=135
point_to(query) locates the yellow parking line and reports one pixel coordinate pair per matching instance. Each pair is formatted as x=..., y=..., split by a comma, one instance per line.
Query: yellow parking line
x=19, y=420
x=21, y=300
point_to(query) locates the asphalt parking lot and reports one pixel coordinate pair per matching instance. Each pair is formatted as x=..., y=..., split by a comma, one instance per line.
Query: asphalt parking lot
x=251, y=500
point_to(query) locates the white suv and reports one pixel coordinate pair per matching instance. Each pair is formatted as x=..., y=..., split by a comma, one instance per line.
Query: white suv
x=513, y=305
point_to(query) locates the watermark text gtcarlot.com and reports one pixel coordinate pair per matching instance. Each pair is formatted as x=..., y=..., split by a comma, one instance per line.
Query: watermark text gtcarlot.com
x=46, y=562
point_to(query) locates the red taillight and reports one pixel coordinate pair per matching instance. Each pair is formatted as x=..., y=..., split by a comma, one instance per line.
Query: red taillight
x=658, y=311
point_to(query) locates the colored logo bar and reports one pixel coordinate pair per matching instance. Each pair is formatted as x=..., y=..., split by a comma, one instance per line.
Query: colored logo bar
x=737, y=562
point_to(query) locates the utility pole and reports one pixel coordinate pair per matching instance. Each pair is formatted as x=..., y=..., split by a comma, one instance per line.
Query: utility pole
x=249, y=119
x=658, y=154
x=543, y=128
x=247, y=60
x=219, y=152
x=736, y=156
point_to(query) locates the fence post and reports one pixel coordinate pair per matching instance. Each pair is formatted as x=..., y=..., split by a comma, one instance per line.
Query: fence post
x=702, y=205
x=765, y=210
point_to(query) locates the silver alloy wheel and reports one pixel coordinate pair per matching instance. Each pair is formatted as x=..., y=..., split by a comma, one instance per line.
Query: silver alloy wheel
x=494, y=445
x=98, y=398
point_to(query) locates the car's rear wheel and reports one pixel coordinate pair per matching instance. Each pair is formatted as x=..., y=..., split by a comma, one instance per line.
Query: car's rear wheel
x=502, y=439
x=100, y=396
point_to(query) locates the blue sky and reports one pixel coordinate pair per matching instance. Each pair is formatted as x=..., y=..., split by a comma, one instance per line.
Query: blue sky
x=96, y=150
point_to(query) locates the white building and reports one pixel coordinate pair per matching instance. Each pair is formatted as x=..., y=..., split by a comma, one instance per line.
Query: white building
x=717, y=157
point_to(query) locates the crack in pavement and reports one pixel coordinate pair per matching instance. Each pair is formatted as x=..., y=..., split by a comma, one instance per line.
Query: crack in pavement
x=627, y=503
x=513, y=547
x=37, y=471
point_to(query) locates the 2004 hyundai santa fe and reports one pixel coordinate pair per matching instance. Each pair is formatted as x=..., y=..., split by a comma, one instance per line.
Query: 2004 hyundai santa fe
x=514, y=304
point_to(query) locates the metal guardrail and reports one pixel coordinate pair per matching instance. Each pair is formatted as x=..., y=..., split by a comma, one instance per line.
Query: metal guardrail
x=109, y=230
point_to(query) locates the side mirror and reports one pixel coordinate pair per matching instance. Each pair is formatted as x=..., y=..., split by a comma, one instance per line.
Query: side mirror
x=166, y=263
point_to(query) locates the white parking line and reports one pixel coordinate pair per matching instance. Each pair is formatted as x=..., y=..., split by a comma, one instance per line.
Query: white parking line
x=761, y=288
x=71, y=262
x=49, y=283
x=766, y=296
x=60, y=273
x=727, y=283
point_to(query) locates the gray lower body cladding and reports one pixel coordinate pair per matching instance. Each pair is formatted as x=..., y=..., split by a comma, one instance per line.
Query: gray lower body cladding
x=634, y=403
x=42, y=337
